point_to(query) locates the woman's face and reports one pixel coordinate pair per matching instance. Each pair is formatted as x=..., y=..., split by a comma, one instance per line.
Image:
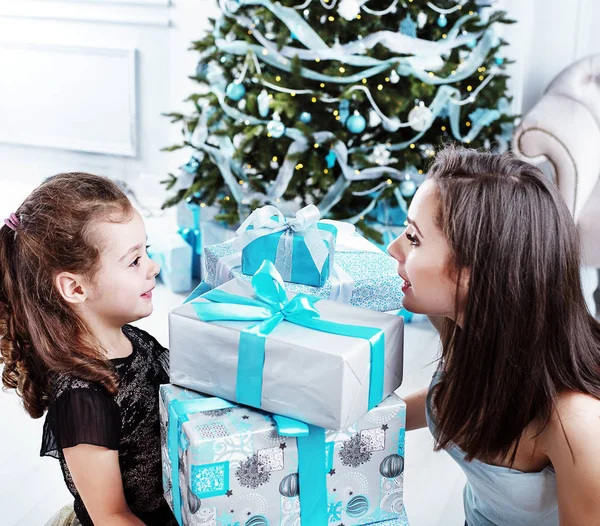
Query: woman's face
x=423, y=255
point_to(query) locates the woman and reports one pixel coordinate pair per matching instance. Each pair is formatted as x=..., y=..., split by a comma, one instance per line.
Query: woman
x=492, y=254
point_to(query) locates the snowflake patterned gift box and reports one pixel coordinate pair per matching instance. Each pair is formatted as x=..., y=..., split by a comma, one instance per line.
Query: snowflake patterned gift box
x=301, y=248
x=362, y=275
x=318, y=361
x=225, y=464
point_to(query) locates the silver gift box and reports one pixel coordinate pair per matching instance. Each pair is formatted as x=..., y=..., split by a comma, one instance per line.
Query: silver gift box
x=312, y=376
x=235, y=469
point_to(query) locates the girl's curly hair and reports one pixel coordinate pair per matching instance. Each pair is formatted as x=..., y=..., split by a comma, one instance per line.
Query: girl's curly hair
x=40, y=335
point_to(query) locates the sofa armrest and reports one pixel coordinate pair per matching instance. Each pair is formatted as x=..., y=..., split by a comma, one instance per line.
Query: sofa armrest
x=563, y=131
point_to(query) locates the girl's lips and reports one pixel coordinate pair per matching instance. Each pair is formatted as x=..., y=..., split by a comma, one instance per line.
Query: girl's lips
x=405, y=286
x=147, y=294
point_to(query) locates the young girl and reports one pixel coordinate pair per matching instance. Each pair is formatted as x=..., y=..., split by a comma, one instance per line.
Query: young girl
x=74, y=273
x=492, y=249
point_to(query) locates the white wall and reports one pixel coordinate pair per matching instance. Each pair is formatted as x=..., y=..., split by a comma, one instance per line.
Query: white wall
x=550, y=35
x=83, y=82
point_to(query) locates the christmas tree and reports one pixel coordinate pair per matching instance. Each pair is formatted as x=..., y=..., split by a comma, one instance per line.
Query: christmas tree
x=337, y=103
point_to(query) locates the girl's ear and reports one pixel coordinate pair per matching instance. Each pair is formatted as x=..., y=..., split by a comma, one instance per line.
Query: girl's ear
x=71, y=287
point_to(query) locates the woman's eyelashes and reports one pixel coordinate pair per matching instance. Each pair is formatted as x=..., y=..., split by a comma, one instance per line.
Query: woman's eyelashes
x=413, y=239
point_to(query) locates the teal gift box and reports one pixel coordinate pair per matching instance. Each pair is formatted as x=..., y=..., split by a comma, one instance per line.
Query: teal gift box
x=301, y=248
x=225, y=464
x=174, y=255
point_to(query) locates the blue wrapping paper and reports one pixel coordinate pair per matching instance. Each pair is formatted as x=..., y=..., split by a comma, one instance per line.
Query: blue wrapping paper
x=377, y=285
x=233, y=465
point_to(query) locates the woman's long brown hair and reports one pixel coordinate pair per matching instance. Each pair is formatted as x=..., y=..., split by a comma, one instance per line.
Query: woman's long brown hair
x=40, y=335
x=527, y=334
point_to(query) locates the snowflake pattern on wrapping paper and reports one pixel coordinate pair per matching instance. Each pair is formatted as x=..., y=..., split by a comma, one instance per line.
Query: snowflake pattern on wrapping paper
x=334, y=511
x=251, y=474
x=209, y=479
x=218, y=412
x=377, y=285
x=213, y=430
x=354, y=452
x=270, y=459
x=374, y=439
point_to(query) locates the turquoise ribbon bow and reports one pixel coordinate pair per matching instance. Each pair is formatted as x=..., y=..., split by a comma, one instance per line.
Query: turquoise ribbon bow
x=312, y=462
x=270, y=307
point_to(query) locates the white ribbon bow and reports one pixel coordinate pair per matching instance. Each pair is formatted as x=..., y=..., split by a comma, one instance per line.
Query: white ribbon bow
x=268, y=220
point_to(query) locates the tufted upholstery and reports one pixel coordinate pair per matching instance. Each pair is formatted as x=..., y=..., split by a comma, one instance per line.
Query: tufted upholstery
x=564, y=128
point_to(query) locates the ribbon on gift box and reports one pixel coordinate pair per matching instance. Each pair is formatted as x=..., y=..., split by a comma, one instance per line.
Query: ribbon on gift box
x=342, y=283
x=268, y=220
x=178, y=414
x=312, y=460
x=270, y=307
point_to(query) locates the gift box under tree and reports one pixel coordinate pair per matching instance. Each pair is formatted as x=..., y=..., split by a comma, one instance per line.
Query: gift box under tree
x=362, y=274
x=318, y=361
x=228, y=464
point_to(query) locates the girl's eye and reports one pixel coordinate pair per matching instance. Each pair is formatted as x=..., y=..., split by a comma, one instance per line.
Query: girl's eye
x=135, y=262
x=413, y=240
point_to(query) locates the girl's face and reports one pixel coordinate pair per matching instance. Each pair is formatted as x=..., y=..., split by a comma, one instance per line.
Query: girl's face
x=122, y=290
x=423, y=255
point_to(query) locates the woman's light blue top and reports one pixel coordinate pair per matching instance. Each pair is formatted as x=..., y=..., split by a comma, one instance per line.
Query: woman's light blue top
x=500, y=496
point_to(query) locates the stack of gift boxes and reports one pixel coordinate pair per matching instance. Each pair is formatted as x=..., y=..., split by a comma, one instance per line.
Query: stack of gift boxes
x=282, y=409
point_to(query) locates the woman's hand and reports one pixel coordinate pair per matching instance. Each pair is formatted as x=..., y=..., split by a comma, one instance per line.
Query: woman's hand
x=97, y=476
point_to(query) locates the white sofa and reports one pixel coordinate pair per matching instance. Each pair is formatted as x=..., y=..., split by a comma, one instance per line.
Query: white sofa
x=564, y=129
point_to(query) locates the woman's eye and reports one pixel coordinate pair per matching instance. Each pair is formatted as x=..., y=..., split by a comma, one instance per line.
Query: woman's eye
x=413, y=240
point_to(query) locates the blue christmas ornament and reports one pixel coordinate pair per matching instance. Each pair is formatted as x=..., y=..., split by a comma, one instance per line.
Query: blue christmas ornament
x=257, y=520
x=293, y=35
x=499, y=60
x=276, y=129
x=191, y=166
x=408, y=188
x=408, y=27
x=305, y=117
x=472, y=43
x=442, y=21
x=356, y=123
x=331, y=159
x=391, y=466
x=289, y=486
x=357, y=506
x=235, y=91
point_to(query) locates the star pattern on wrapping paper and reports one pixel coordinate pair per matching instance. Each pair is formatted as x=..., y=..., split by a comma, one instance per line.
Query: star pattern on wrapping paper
x=245, y=417
x=385, y=427
x=229, y=493
x=282, y=446
x=332, y=471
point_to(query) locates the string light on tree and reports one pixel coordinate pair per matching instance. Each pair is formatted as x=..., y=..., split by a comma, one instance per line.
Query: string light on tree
x=394, y=51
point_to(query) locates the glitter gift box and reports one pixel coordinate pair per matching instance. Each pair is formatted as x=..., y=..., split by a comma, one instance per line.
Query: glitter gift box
x=321, y=362
x=363, y=276
x=229, y=465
